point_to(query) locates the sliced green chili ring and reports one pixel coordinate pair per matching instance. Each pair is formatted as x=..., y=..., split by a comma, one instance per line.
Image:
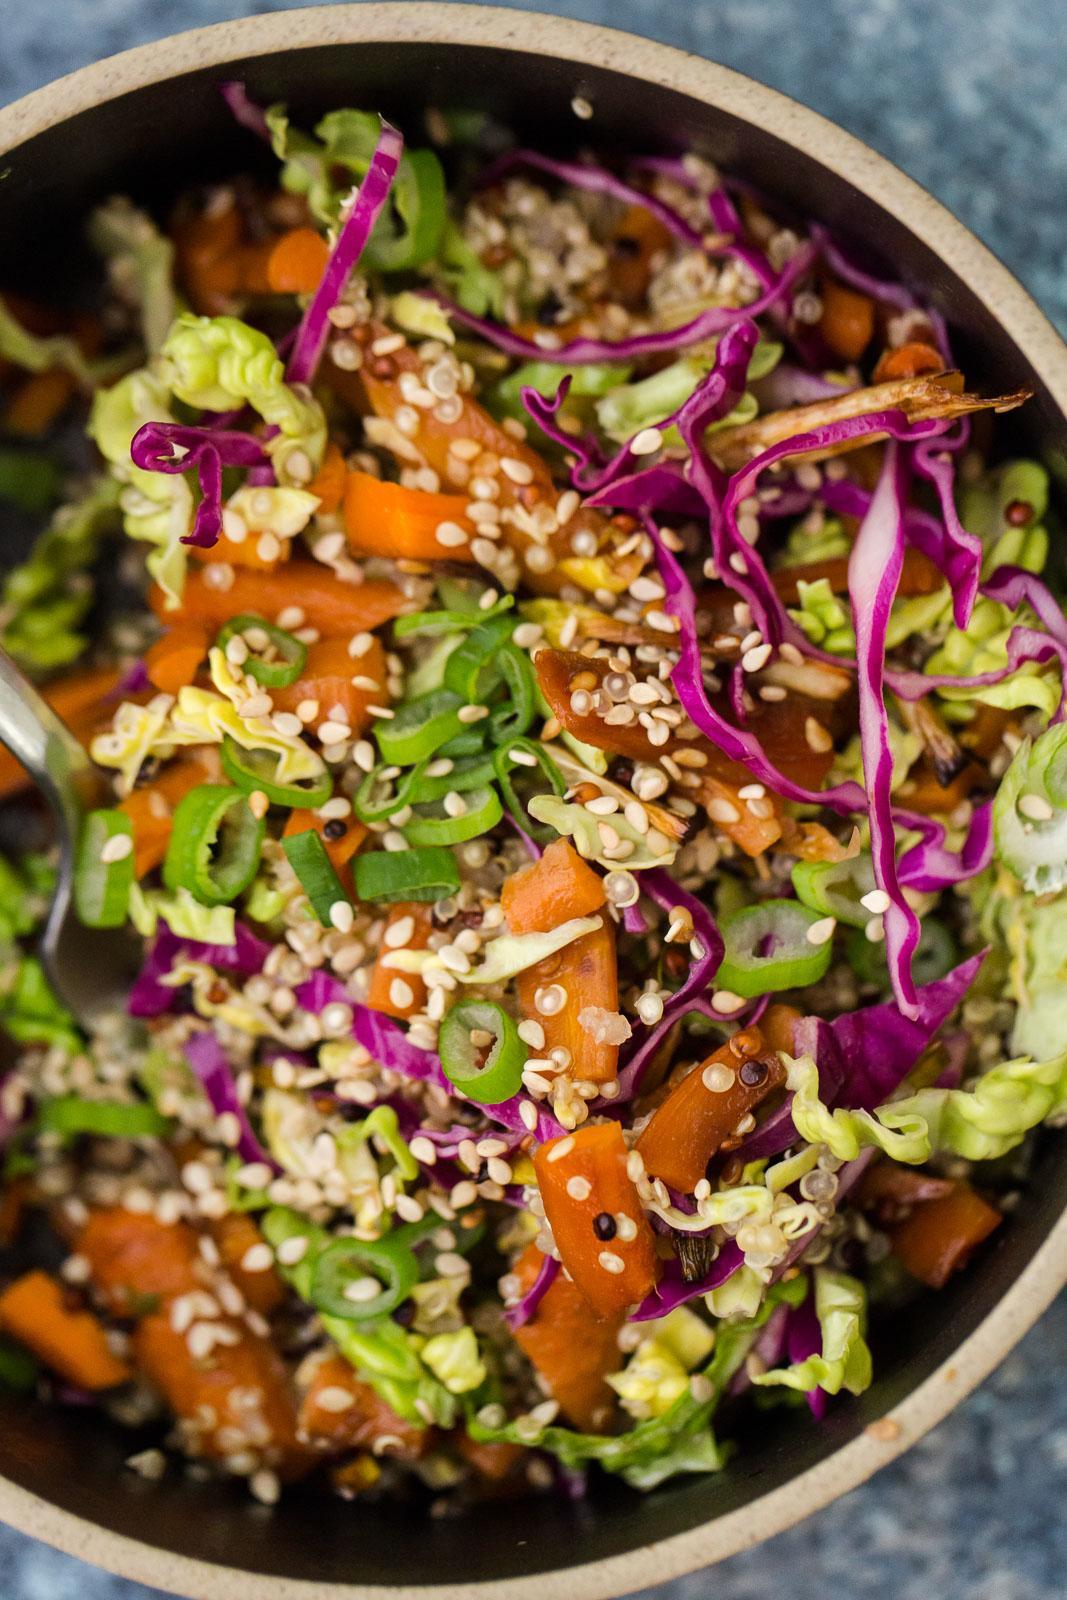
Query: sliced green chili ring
x=72, y=1114
x=767, y=949
x=292, y=652
x=371, y=804
x=101, y=886
x=425, y=875
x=836, y=888
x=420, y=727
x=349, y=1262
x=507, y=769
x=434, y=824
x=409, y=232
x=486, y=1074
x=307, y=856
x=466, y=595
x=474, y=670
x=471, y=742
x=251, y=770
x=215, y=844
x=514, y=715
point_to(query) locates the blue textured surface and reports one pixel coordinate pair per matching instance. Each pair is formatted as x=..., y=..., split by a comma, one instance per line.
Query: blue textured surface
x=970, y=97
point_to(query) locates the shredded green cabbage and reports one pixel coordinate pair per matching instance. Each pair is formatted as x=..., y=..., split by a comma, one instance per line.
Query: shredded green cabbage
x=844, y=1361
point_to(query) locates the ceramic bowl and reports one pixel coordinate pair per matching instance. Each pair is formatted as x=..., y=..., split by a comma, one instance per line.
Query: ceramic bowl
x=148, y=122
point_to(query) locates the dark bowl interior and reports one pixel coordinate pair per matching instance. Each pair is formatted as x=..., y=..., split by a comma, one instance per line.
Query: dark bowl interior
x=150, y=142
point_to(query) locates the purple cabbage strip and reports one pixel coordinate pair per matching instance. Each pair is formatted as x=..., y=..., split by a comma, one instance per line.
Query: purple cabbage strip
x=929, y=867
x=518, y=1316
x=243, y=108
x=874, y=569
x=355, y=230
x=661, y=887
x=864, y=1056
x=960, y=553
x=803, y=1338
x=596, y=179
x=154, y=449
x=207, y=1058
x=545, y=412
x=672, y=1290
x=582, y=351
x=1014, y=587
x=663, y=488
x=768, y=1347
x=889, y=294
x=151, y=997
x=1024, y=646
x=134, y=680
x=390, y=1046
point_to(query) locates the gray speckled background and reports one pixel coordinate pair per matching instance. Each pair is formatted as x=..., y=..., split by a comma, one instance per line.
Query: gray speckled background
x=970, y=97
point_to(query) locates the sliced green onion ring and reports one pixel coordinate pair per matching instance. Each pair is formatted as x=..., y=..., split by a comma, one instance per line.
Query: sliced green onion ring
x=425, y=875
x=485, y=1072
x=73, y=1114
x=215, y=844
x=251, y=770
x=435, y=823
x=450, y=620
x=767, y=949
x=474, y=669
x=102, y=885
x=272, y=674
x=507, y=769
x=308, y=858
x=375, y=799
x=935, y=955
x=836, y=888
x=420, y=727
x=346, y=1263
x=514, y=715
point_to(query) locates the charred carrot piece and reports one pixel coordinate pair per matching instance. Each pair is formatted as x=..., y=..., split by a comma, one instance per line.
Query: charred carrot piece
x=941, y=1235
x=574, y=997
x=72, y=1343
x=572, y=1347
x=400, y=994
x=554, y=889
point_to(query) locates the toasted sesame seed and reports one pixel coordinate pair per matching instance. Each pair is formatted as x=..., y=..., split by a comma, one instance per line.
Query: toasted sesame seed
x=579, y=1188
x=292, y=1251
x=581, y=108
x=647, y=442
x=401, y=994
x=725, y=1002
x=611, y=1262
x=257, y=1258
x=468, y=714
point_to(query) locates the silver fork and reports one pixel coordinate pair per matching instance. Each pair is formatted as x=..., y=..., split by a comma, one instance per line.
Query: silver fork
x=89, y=968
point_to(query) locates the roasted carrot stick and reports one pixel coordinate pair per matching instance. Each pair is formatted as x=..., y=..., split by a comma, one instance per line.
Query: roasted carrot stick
x=401, y=994
x=909, y=361
x=236, y=1234
x=386, y=519
x=367, y=1422
x=941, y=1235
x=702, y=1111
x=572, y=1347
x=847, y=321
x=174, y=659
x=343, y=687
x=552, y=890
x=297, y=261
x=327, y=602
x=600, y=1228
x=587, y=973
x=150, y=808
x=329, y=482
x=71, y=1342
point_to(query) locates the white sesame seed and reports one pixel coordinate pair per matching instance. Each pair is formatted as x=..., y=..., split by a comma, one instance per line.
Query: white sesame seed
x=581, y=108
x=451, y=535
x=1034, y=806
x=563, y=1148
x=720, y=810
x=725, y=1002
x=401, y=994
x=518, y=471
x=333, y=1398
x=361, y=1290
x=424, y=1151
x=611, y=1262
x=342, y=916
x=331, y=732
x=468, y=714
x=579, y=1188
x=265, y=1486
x=292, y=1251
x=757, y=657
x=647, y=442
x=117, y=848
x=821, y=932
x=257, y=1258
x=877, y=902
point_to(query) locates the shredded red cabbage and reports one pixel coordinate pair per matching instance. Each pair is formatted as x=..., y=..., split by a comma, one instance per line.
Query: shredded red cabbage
x=244, y=109
x=518, y=1315
x=673, y=1291
x=582, y=351
x=173, y=448
x=929, y=867
x=208, y=1060
x=659, y=886
x=856, y=277
x=356, y=229
x=390, y=1046
x=151, y=997
x=874, y=570
x=596, y=179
